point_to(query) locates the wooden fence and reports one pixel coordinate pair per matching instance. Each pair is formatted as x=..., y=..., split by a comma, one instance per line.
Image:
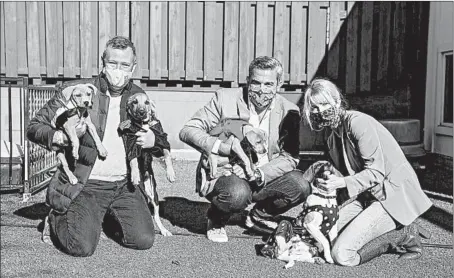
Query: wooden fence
x=362, y=45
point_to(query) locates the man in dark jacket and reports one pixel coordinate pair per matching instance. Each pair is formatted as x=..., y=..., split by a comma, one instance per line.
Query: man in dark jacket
x=78, y=211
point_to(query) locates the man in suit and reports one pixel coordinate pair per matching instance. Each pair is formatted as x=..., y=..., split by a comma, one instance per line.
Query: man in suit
x=276, y=187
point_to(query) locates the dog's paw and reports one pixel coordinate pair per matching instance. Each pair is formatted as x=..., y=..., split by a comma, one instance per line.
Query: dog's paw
x=329, y=259
x=102, y=152
x=319, y=260
x=76, y=155
x=281, y=245
x=289, y=264
x=165, y=232
x=249, y=172
x=171, y=174
x=72, y=179
x=135, y=178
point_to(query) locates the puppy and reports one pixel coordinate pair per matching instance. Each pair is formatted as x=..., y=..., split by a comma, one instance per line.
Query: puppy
x=297, y=250
x=142, y=117
x=247, y=142
x=320, y=211
x=73, y=118
x=289, y=245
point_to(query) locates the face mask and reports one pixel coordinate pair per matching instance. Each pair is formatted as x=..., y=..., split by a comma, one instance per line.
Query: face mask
x=261, y=100
x=117, y=78
x=327, y=118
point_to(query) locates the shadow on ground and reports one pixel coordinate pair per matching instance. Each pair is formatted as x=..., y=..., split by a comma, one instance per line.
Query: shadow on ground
x=191, y=215
x=37, y=211
x=439, y=217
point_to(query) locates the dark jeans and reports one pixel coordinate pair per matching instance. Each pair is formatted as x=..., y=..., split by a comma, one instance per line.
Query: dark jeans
x=232, y=194
x=128, y=217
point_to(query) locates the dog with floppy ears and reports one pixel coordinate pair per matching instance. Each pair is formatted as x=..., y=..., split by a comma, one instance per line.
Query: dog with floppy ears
x=142, y=117
x=318, y=218
x=73, y=118
x=247, y=142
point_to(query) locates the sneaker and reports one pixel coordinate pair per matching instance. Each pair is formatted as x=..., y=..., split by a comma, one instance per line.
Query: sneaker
x=45, y=237
x=259, y=224
x=216, y=234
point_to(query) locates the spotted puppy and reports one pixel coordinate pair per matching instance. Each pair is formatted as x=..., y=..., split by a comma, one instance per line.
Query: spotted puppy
x=73, y=118
x=320, y=211
x=142, y=117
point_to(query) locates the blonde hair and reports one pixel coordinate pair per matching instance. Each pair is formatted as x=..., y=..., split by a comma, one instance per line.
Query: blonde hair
x=321, y=91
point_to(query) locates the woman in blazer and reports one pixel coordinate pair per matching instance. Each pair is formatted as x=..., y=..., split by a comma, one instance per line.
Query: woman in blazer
x=382, y=186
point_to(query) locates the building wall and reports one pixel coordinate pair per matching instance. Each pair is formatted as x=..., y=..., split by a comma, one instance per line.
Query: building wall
x=15, y=116
x=438, y=136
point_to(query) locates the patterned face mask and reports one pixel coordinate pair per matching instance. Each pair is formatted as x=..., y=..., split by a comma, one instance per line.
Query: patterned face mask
x=327, y=118
x=261, y=100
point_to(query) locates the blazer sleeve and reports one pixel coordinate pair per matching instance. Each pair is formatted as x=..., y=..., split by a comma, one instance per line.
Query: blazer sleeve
x=195, y=131
x=369, y=148
x=288, y=158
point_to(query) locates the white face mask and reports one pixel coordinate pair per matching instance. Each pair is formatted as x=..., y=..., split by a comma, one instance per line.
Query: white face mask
x=117, y=78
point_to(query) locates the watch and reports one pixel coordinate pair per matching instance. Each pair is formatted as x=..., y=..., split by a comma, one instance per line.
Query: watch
x=258, y=176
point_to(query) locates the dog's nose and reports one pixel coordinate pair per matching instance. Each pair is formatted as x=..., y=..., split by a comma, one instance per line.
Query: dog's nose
x=86, y=103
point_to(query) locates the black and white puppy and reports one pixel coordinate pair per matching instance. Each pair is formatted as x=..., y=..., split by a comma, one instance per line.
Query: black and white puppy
x=73, y=118
x=142, y=117
x=320, y=211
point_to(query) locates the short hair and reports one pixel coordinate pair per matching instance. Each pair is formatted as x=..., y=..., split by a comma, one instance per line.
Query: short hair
x=321, y=91
x=119, y=42
x=267, y=63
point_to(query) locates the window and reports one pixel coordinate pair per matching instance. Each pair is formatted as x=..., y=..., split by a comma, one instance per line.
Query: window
x=448, y=90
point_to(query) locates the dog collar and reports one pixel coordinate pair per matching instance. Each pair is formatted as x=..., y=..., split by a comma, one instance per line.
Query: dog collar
x=139, y=125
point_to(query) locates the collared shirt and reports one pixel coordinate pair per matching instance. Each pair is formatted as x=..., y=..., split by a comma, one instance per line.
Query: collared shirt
x=113, y=168
x=262, y=121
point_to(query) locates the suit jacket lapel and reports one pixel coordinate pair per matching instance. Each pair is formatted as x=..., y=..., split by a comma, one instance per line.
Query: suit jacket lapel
x=275, y=121
x=242, y=106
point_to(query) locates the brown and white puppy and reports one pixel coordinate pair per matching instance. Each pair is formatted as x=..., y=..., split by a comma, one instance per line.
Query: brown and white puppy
x=246, y=143
x=141, y=113
x=73, y=118
x=320, y=211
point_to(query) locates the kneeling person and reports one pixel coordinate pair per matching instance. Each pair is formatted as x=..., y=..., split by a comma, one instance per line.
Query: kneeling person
x=278, y=188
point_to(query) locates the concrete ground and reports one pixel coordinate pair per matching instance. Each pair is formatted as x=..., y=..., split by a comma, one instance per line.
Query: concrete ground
x=188, y=253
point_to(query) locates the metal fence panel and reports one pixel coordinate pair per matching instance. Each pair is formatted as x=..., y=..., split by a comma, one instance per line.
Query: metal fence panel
x=37, y=163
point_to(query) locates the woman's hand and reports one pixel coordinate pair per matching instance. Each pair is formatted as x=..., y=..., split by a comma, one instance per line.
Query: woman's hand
x=332, y=183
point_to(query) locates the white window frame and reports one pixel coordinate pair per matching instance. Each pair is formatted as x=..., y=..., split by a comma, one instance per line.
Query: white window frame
x=441, y=127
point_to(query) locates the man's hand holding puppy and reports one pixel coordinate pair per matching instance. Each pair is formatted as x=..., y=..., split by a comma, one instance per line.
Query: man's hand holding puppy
x=145, y=139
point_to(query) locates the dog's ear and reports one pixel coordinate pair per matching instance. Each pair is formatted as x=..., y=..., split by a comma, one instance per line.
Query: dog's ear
x=129, y=102
x=152, y=109
x=67, y=92
x=93, y=88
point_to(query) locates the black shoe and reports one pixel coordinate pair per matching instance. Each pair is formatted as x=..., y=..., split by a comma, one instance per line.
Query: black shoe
x=259, y=225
